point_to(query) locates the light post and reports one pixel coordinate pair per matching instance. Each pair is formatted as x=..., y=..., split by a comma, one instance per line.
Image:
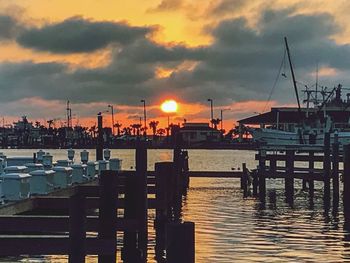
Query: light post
x=222, y=118
x=144, y=116
x=211, y=112
x=112, y=112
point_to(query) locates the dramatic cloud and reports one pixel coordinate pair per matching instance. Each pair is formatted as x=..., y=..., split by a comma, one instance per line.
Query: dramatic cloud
x=9, y=28
x=76, y=35
x=168, y=5
x=239, y=65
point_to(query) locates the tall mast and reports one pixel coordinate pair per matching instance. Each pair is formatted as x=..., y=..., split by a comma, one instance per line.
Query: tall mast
x=292, y=71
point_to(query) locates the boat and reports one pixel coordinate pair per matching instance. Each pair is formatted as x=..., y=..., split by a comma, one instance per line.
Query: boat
x=290, y=126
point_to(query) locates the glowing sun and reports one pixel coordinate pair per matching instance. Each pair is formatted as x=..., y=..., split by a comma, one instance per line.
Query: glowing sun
x=169, y=106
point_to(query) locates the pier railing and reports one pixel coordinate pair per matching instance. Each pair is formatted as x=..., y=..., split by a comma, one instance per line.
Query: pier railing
x=61, y=223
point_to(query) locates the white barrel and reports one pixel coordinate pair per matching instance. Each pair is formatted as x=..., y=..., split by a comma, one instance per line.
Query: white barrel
x=63, y=176
x=91, y=170
x=16, y=161
x=64, y=163
x=78, y=173
x=107, y=154
x=115, y=164
x=3, y=157
x=84, y=156
x=42, y=182
x=102, y=166
x=71, y=154
x=1, y=166
x=39, y=156
x=33, y=167
x=15, y=169
x=16, y=186
x=47, y=160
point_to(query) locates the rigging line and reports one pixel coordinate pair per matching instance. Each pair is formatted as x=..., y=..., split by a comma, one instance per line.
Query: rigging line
x=276, y=80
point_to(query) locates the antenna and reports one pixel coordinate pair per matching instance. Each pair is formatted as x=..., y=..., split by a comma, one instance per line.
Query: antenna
x=316, y=83
x=293, y=76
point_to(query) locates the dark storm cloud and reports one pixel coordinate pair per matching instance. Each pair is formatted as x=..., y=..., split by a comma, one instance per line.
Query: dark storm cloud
x=168, y=5
x=76, y=35
x=226, y=7
x=240, y=64
x=9, y=28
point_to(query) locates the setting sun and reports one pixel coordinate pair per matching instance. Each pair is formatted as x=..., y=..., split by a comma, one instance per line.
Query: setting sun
x=169, y=106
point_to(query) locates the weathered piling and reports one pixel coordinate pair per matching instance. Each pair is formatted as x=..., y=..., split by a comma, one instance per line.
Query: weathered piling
x=262, y=175
x=311, y=184
x=163, y=172
x=180, y=239
x=244, y=180
x=335, y=170
x=346, y=180
x=289, y=178
x=99, y=142
x=130, y=251
x=327, y=169
x=141, y=189
x=77, y=229
x=108, y=214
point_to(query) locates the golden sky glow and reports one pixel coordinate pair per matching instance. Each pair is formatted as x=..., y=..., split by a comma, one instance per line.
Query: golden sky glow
x=177, y=68
x=169, y=106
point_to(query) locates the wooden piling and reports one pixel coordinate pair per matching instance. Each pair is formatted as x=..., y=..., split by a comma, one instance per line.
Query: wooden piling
x=289, y=180
x=99, y=143
x=244, y=180
x=262, y=175
x=346, y=179
x=108, y=214
x=335, y=171
x=327, y=169
x=311, y=168
x=77, y=229
x=163, y=171
x=180, y=239
x=141, y=189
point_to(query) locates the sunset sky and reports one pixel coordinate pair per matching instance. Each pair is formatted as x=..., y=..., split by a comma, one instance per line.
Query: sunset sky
x=100, y=52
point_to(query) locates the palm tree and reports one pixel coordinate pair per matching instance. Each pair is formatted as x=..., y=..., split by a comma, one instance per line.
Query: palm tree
x=215, y=122
x=153, y=125
x=118, y=126
x=136, y=128
x=161, y=132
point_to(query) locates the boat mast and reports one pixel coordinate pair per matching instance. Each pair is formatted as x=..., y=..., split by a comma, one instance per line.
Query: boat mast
x=293, y=76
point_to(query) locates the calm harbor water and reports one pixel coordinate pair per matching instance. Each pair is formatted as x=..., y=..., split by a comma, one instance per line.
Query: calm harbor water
x=232, y=229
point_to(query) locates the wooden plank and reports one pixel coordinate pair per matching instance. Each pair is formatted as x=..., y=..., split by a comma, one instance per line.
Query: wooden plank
x=61, y=203
x=54, y=245
x=214, y=174
x=50, y=224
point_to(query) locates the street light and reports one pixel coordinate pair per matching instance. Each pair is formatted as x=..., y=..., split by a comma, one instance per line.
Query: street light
x=211, y=111
x=144, y=116
x=112, y=111
x=222, y=117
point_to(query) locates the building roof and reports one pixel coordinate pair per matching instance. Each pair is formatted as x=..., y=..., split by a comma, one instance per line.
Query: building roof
x=291, y=115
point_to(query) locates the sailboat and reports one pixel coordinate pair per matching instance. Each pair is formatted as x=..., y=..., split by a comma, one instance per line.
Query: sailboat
x=330, y=114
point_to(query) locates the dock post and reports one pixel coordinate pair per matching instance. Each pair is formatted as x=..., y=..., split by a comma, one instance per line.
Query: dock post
x=255, y=183
x=327, y=169
x=163, y=171
x=311, y=172
x=141, y=190
x=289, y=177
x=130, y=252
x=108, y=214
x=244, y=180
x=335, y=171
x=346, y=179
x=180, y=239
x=99, y=143
x=177, y=174
x=262, y=175
x=77, y=229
